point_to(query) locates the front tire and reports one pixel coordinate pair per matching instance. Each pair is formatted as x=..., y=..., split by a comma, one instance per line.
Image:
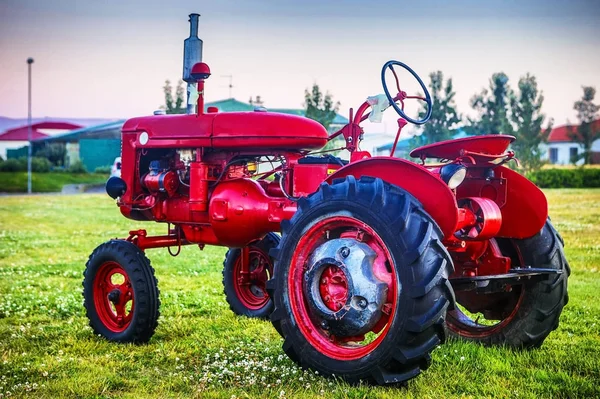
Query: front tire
x=530, y=312
x=361, y=283
x=121, y=293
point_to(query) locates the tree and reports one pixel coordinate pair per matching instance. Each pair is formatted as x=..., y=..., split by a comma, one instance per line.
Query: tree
x=54, y=152
x=320, y=107
x=174, y=106
x=444, y=117
x=587, y=113
x=527, y=120
x=492, y=106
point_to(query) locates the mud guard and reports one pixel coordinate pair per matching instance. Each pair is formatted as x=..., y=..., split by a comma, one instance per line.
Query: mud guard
x=526, y=208
x=435, y=196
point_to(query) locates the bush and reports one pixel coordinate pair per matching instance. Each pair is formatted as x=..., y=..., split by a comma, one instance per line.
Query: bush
x=566, y=178
x=13, y=165
x=77, y=167
x=103, y=169
x=40, y=165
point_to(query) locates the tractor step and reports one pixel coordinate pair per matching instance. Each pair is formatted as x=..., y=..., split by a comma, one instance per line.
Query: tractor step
x=502, y=282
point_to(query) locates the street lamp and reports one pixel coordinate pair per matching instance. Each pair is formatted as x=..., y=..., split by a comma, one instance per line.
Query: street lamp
x=29, y=132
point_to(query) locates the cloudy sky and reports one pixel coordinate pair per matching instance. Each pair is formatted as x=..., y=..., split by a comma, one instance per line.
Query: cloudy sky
x=110, y=58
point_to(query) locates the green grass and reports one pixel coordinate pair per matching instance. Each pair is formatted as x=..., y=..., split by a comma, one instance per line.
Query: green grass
x=16, y=182
x=202, y=350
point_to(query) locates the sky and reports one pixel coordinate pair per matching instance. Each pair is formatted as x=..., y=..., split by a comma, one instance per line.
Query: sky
x=110, y=58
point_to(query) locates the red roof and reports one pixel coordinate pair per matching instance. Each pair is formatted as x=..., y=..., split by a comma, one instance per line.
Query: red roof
x=561, y=133
x=22, y=133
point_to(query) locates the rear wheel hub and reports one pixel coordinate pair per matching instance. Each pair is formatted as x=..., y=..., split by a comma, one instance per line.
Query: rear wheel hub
x=342, y=291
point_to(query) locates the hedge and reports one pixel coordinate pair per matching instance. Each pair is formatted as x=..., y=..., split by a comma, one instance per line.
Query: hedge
x=38, y=165
x=566, y=178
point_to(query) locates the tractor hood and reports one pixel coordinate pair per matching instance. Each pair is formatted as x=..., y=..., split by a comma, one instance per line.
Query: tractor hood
x=234, y=129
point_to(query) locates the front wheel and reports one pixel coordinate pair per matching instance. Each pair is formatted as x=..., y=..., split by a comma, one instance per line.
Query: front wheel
x=525, y=315
x=361, y=282
x=120, y=293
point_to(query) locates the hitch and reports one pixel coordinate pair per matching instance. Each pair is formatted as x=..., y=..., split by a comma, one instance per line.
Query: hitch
x=502, y=282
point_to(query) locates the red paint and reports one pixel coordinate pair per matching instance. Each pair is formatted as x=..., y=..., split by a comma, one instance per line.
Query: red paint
x=166, y=182
x=561, y=134
x=526, y=208
x=308, y=177
x=244, y=204
x=21, y=133
x=255, y=273
x=491, y=145
x=115, y=316
x=232, y=130
x=437, y=199
x=333, y=287
x=331, y=346
x=483, y=219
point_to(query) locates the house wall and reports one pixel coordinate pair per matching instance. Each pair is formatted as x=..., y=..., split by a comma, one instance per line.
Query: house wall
x=563, y=151
x=563, y=155
x=10, y=145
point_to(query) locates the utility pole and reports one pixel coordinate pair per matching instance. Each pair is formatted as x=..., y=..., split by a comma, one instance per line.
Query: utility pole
x=230, y=86
x=29, y=132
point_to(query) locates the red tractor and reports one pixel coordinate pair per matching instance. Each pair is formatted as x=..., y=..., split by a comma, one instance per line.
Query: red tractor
x=379, y=258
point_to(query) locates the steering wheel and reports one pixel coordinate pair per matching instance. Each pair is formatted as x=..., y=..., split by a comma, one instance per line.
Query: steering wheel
x=401, y=96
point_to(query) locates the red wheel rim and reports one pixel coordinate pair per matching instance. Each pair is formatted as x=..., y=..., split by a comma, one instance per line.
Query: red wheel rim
x=251, y=290
x=113, y=296
x=462, y=324
x=341, y=348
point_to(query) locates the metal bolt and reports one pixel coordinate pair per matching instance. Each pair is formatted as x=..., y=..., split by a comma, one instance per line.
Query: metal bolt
x=362, y=303
x=345, y=251
x=324, y=325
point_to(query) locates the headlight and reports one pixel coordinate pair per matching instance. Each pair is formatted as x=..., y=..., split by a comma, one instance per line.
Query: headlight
x=453, y=175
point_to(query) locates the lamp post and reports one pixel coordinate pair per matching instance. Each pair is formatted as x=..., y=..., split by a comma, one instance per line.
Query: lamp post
x=29, y=132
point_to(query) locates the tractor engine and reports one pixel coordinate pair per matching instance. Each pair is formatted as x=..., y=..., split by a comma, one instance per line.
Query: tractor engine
x=161, y=179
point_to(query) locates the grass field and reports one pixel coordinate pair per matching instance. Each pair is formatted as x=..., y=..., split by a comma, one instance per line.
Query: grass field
x=16, y=182
x=202, y=350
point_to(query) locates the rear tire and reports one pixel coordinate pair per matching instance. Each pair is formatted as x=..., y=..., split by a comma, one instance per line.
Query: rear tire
x=537, y=310
x=407, y=239
x=250, y=300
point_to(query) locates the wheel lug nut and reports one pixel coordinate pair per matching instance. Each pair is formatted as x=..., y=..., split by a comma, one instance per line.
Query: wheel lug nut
x=324, y=325
x=345, y=251
x=362, y=303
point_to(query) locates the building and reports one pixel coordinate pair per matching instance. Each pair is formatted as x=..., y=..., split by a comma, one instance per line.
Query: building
x=95, y=146
x=14, y=132
x=13, y=139
x=561, y=149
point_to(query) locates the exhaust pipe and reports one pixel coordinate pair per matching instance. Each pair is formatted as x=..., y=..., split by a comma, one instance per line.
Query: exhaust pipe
x=192, y=54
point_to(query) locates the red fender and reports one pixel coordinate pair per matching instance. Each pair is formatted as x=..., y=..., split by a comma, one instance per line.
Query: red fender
x=523, y=205
x=526, y=209
x=437, y=199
